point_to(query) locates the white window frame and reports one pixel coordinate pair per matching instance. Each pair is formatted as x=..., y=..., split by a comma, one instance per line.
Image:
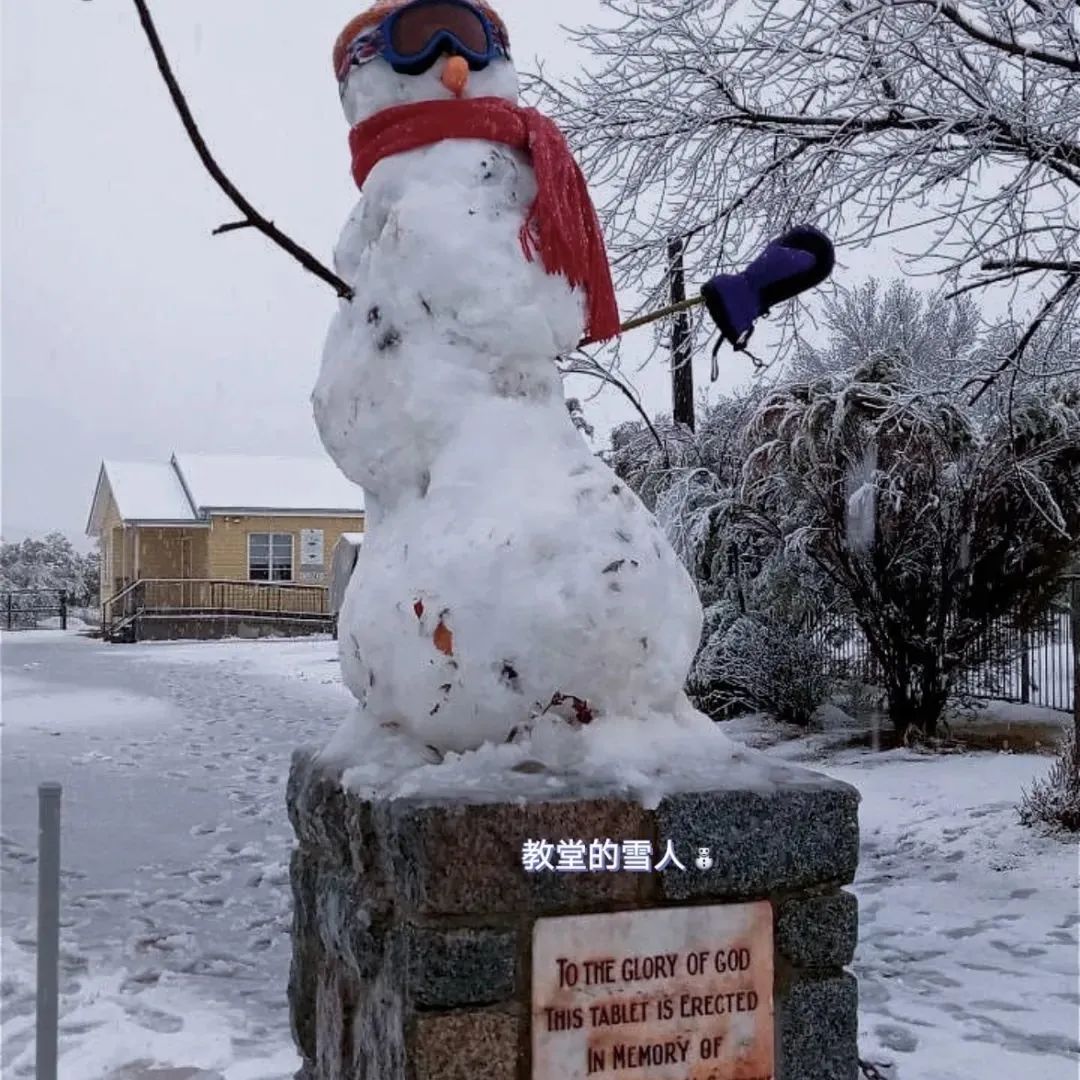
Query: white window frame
x=273, y=541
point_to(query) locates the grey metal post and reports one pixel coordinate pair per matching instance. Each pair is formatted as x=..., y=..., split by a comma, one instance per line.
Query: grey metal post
x=63, y=609
x=48, y=930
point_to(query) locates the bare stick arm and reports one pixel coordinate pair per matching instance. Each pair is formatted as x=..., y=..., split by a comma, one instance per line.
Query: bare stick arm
x=252, y=218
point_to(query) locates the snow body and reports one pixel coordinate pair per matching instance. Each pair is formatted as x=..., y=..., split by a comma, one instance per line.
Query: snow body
x=504, y=565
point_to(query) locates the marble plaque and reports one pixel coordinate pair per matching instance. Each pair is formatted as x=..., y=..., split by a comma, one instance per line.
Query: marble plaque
x=668, y=994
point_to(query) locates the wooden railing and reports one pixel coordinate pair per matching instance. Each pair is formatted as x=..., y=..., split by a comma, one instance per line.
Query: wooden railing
x=177, y=596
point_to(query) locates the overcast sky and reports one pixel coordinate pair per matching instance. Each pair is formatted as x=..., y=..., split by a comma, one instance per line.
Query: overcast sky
x=128, y=330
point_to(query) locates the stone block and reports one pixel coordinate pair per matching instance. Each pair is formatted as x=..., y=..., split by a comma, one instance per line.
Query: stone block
x=472, y=1045
x=451, y=968
x=338, y=830
x=452, y=859
x=817, y=1028
x=818, y=931
x=307, y=953
x=795, y=836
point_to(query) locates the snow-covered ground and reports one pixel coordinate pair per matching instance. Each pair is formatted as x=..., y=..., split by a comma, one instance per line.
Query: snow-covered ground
x=176, y=901
x=967, y=958
x=175, y=846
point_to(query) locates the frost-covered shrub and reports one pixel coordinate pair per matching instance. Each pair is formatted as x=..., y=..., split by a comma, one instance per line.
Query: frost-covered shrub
x=931, y=522
x=761, y=601
x=869, y=490
x=754, y=661
x=1055, y=799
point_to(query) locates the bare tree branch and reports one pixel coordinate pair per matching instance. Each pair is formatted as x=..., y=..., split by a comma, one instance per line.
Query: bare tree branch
x=1062, y=267
x=1012, y=47
x=1017, y=351
x=252, y=218
x=232, y=226
x=588, y=366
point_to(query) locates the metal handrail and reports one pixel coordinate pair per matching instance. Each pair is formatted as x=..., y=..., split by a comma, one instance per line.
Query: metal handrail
x=109, y=605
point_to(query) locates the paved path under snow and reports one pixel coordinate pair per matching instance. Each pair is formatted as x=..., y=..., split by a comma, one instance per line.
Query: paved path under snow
x=175, y=841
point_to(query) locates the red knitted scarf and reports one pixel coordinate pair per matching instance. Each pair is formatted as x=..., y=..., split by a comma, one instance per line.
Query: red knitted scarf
x=561, y=226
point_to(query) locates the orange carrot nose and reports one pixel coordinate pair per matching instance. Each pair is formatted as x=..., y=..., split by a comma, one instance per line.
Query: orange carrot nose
x=455, y=75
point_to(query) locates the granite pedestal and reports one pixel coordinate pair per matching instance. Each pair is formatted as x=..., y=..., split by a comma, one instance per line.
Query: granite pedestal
x=413, y=920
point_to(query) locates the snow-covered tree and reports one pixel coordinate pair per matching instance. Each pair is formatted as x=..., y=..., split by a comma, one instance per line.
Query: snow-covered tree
x=938, y=343
x=931, y=524
x=50, y=563
x=952, y=126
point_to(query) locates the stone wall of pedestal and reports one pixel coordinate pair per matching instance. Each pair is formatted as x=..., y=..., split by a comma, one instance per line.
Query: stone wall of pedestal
x=413, y=921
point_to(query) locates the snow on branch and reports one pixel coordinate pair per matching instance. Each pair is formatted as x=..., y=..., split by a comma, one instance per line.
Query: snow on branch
x=954, y=125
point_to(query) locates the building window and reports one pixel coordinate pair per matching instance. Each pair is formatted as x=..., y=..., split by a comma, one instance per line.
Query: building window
x=270, y=556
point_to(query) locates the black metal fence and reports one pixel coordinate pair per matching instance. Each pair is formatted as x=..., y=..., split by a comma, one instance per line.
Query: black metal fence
x=1034, y=667
x=26, y=609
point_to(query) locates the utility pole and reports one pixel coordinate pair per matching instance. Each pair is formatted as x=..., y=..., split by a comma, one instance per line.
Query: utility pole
x=682, y=372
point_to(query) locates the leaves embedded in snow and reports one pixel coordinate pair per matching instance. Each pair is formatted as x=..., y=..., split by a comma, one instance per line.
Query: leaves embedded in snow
x=444, y=639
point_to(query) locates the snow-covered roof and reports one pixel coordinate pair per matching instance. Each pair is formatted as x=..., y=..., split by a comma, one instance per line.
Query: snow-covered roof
x=239, y=482
x=142, y=491
x=353, y=538
x=190, y=485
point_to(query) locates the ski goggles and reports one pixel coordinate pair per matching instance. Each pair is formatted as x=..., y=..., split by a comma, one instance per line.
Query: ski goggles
x=411, y=38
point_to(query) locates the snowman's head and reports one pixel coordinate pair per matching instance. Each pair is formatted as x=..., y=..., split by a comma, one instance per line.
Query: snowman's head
x=422, y=50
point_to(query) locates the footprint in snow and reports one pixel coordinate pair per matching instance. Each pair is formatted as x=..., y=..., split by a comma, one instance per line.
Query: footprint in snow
x=207, y=829
x=967, y=931
x=894, y=1037
x=1061, y=937
x=1019, y=951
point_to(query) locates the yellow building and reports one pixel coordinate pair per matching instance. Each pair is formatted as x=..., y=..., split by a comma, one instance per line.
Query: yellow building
x=210, y=545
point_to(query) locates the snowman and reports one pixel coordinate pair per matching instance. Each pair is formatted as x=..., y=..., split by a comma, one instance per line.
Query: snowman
x=507, y=573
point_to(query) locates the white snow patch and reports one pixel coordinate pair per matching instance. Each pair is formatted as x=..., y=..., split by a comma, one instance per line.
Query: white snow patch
x=29, y=708
x=15, y=638
x=967, y=958
x=53, y=623
x=1015, y=713
x=265, y=483
x=149, y=491
x=640, y=758
x=312, y=661
x=862, y=500
x=111, y=1026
